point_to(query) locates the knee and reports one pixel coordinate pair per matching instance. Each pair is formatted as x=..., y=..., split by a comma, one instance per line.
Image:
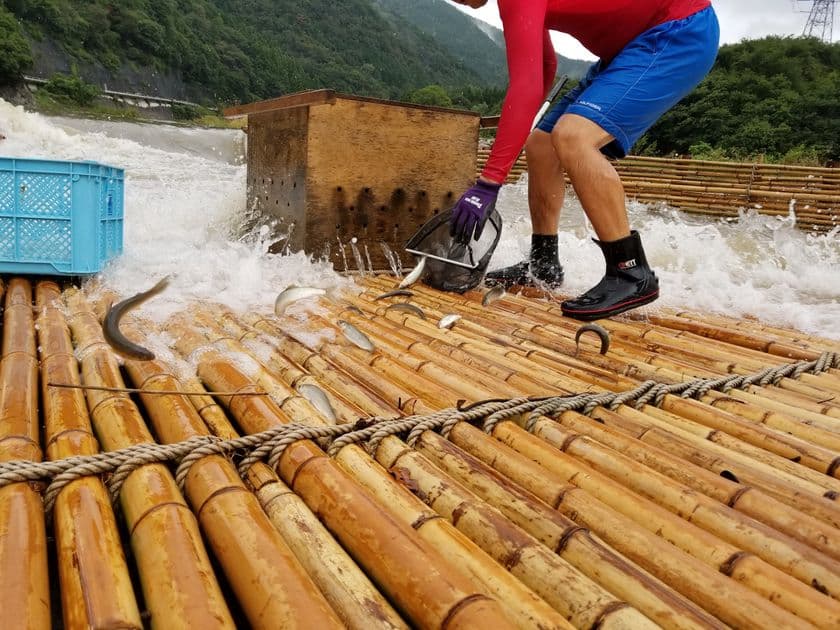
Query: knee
x=569, y=139
x=538, y=148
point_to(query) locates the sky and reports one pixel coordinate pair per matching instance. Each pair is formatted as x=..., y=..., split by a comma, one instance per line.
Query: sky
x=739, y=19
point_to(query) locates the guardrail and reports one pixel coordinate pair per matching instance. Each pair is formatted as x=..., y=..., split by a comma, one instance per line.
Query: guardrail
x=144, y=101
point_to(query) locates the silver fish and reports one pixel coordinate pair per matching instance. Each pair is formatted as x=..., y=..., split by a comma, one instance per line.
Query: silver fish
x=407, y=308
x=355, y=309
x=319, y=400
x=448, y=321
x=603, y=334
x=293, y=294
x=492, y=295
x=415, y=274
x=396, y=293
x=356, y=336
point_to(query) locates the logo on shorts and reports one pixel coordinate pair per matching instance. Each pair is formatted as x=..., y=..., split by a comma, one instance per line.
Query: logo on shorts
x=627, y=264
x=592, y=105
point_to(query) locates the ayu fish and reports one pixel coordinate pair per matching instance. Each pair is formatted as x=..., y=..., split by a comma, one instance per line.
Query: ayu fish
x=407, y=308
x=415, y=274
x=293, y=294
x=492, y=295
x=395, y=293
x=448, y=321
x=603, y=334
x=319, y=400
x=111, y=325
x=356, y=336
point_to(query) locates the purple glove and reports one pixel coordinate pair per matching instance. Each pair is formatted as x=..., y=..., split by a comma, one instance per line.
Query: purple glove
x=472, y=211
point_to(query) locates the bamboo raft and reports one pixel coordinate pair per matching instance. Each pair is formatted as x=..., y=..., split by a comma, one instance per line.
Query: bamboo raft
x=723, y=189
x=688, y=478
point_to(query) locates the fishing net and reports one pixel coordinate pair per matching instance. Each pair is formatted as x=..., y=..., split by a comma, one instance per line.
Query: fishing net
x=452, y=266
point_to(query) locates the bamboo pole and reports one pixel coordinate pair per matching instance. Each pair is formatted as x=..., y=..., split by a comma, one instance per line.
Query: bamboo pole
x=719, y=460
x=698, y=581
x=747, y=499
x=396, y=444
x=777, y=575
x=412, y=573
x=522, y=605
x=96, y=590
x=345, y=586
x=583, y=602
x=739, y=450
x=24, y=580
x=791, y=557
x=573, y=543
x=268, y=581
x=793, y=448
x=177, y=579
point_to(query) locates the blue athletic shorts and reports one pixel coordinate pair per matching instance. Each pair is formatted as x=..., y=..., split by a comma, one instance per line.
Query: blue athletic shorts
x=646, y=79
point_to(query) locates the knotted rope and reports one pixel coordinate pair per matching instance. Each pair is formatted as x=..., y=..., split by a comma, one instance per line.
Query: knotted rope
x=269, y=445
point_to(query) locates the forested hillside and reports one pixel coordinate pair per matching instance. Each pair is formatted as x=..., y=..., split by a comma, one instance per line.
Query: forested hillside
x=228, y=50
x=467, y=39
x=775, y=97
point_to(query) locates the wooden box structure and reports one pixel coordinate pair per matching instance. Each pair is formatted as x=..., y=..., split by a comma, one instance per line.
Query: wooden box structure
x=332, y=168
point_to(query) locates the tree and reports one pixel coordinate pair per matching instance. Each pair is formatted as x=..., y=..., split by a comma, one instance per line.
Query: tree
x=15, y=53
x=433, y=95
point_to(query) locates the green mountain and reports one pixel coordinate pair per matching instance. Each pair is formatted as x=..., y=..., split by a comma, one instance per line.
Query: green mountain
x=466, y=38
x=243, y=50
x=227, y=50
x=774, y=97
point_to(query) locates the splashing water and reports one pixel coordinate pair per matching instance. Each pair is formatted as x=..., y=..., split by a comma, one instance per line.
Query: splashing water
x=185, y=199
x=389, y=255
x=357, y=256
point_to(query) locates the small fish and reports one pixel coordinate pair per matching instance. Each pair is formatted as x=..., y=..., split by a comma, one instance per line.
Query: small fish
x=293, y=294
x=407, y=308
x=396, y=293
x=111, y=325
x=356, y=336
x=603, y=334
x=492, y=295
x=319, y=400
x=355, y=309
x=415, y=274
x=448, y=321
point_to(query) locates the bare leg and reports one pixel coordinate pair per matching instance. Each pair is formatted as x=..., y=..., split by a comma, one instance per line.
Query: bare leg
x=546, y=185
x=628, y=280
x=546, y=189
x=578, y=143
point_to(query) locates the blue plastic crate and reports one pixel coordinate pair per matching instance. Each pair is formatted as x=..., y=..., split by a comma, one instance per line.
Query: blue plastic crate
x=59, y=217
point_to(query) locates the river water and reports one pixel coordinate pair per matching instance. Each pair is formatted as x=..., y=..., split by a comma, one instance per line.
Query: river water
x=185, y=195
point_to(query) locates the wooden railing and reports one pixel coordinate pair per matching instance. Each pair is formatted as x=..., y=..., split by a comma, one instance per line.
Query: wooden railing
x=723, y=188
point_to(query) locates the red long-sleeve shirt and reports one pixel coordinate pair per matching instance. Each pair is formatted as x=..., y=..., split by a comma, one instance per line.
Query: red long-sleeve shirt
x=603, y=26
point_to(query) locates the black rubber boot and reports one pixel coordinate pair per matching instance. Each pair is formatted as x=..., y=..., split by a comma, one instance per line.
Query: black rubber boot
x=629, y=282
x=542, y=268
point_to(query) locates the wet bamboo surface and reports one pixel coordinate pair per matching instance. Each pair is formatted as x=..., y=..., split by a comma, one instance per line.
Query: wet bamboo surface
x=716, y=511
x=722, y=189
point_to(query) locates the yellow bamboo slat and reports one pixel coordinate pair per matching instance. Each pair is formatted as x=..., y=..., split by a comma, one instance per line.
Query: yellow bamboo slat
x=719, y=510
x=24, y=584
x=722, y=189
x=96, y=588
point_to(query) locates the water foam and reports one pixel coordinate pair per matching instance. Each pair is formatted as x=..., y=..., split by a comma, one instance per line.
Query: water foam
x=186, y=197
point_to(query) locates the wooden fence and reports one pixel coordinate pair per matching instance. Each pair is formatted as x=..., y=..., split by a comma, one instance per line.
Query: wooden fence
x=721, y=189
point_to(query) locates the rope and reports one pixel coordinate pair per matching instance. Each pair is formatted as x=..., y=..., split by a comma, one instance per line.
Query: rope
x=270, y=445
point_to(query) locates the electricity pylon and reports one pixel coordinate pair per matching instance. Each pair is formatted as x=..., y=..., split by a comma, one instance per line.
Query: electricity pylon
x=820, y=22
